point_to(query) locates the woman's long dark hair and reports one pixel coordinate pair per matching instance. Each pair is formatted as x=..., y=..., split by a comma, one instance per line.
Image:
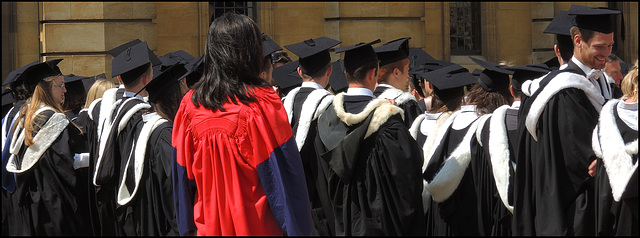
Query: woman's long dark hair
x=232, y=62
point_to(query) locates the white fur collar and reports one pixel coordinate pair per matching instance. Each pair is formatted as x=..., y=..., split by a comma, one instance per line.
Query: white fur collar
x=529, y=87
x=287, y=102
x=109, y=103
x=106, y=133
x=429, y=144
x=383, y=110
x=92, y=107
x=499, y=152
x=446, y=181
x=436, y=135
x=318, y=101
x=415, y=126
x=608, y=144
x=561, y=81
x=124, y=196
x=56, y=124
x=399, y=96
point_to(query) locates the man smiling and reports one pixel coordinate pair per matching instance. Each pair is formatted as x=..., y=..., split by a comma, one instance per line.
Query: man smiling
x=554, y=192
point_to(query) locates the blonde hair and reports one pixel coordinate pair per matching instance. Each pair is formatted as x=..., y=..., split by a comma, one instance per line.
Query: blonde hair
x=41, y=96
x=97, y=90
x=629, y=84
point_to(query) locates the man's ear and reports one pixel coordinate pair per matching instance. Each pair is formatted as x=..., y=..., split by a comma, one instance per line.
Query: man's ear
x=329, y=71
x=577, y=40
x=556, y=50
x=300, y=72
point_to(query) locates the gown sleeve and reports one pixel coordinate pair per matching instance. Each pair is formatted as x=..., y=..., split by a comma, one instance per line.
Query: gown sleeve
x=184, y=184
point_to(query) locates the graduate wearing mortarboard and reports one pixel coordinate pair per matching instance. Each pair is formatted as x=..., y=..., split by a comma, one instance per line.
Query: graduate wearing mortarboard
x=493, y=151
x=553, y=191
x=42, y=178
x=145, y=189
x=115, y=117
x=371, y=162
x=394, y=77
x=304, y=105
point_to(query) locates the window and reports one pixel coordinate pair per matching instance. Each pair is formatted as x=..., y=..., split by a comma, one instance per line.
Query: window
x=217, y=9
x=464, y=28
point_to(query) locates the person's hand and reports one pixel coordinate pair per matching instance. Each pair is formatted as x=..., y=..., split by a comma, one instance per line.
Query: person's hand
x=391, y=101
x=592, y=168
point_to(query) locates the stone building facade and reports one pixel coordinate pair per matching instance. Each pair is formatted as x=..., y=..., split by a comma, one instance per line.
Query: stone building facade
x=82, y=32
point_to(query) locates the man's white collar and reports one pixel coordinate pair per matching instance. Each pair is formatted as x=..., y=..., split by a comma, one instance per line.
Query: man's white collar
x=309, y=84
x=128, y=94
x=359, y=92
x=385, y=85
x=516, y=104
x=583, y=67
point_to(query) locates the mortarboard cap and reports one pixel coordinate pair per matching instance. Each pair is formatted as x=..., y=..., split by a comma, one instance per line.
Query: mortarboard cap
x=593, y=18
x=494, y=77
x=34, y=74
x=358, y=54
x=194, y=71
x=523, y=73
x=418, y=57
x=131, y=63
x=449, y=82
x=176, y=57
x=416, y=77
x=88, y=82
x=121, y=48
x=552, y=63
x=434, y=64
x=7, y=98
x=287, y=77
x=13, y=75
x=84, y=80
x=393, y=51
x=561, y=24
x=69, y=78
x=476, y=72
x=313, y=53
x=164, y=81
x=337, y=80
x=269, y=46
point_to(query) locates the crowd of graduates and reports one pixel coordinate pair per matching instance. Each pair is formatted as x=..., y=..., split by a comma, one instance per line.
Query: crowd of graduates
x=388, y=140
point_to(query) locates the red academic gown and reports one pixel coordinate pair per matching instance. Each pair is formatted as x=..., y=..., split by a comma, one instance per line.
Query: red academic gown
x=238, y=171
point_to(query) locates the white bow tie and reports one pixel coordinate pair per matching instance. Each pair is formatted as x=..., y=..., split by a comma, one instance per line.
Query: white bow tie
x=594, y=74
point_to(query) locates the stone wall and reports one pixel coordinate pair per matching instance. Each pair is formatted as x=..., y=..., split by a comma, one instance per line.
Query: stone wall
x=82, y=32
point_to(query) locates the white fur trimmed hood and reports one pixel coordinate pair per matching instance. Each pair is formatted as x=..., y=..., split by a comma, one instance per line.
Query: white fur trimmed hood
x=45, y=137
x=561, y=81
x=399, y=96
x=381, y=108
x=607, y=143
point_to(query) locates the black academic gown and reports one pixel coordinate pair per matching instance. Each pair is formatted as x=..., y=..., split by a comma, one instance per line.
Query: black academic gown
x=78, y=144
x=7, y=223
x=320, y=209
x=118, y=148
x=145, y=198
x=554, y=194
x=374, y=182
x=406, y=101
x=494, y=217
x=45, y=202
x=616, y=218
x=456, y=214
x=102, y=208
